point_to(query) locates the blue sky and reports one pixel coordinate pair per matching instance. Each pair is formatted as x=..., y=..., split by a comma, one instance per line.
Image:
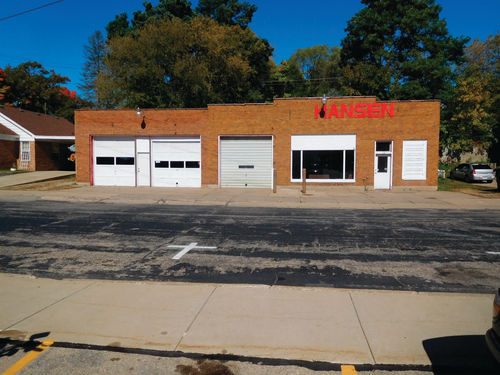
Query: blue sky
x=55, y=35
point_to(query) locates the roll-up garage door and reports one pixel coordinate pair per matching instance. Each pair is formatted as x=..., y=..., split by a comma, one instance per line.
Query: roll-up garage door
x=176, y=162
x=246, y=162
x=114, y=161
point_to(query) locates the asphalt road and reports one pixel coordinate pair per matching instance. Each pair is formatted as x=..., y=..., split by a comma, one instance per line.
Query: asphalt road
x=424, y=250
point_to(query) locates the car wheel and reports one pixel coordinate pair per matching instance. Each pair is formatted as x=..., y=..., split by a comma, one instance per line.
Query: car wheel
x=489, y=181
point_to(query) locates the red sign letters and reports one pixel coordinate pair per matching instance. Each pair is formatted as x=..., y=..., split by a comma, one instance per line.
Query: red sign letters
x=360, y=110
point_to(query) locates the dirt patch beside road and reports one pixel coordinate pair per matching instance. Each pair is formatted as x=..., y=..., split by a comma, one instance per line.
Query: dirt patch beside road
x=57, y=184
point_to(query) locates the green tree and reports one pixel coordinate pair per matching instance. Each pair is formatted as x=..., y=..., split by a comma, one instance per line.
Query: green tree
x=120, y=26
x=472, y=121
x=400, y=49
x=227, y=12
x=475, y=106
x=172, y=63
x=168, y=9
x=165, y=9
x=287, y=80
x=321, y=68
x=94, y=53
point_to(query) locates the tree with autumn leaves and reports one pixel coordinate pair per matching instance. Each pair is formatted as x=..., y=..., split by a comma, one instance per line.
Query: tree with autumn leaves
x=171, y=55
x=475, y=105
x=3, y=87
x=30, y=86
x=172, y=63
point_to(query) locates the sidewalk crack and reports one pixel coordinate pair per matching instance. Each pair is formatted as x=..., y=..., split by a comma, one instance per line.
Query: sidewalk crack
x=48, y=306
x=195, y=317
x=362, y=329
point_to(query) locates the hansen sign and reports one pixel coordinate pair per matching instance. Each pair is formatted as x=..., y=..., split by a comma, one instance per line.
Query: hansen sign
x=359, y=110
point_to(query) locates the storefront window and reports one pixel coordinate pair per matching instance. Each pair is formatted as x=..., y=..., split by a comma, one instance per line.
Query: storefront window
x=296, y=169
x=324, y=157
x=323, y=164
x=349, y=164
x=326, y=165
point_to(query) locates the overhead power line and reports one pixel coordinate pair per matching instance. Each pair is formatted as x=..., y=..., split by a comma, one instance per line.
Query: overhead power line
x=302, y=81
x=30, y=10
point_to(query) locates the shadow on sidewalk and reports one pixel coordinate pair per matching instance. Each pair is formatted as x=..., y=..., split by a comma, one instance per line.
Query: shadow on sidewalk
x=9, y=346
x=460, y=355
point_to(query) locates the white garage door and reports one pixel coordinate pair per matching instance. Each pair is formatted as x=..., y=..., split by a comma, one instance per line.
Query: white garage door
x=114, y=161
x=176, y=162
x=246, y=162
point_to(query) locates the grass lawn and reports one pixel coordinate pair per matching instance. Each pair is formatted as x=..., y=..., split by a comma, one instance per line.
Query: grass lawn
x=481, y=189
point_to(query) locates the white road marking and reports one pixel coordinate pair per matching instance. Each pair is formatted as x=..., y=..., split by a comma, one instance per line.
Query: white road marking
x=493, y=252
x=187, y=248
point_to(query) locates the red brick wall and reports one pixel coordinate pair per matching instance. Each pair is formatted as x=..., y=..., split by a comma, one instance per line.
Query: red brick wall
x=9, y=152
x=168, y=122
x=285, y=117
x=43, y=156
x=27, y=165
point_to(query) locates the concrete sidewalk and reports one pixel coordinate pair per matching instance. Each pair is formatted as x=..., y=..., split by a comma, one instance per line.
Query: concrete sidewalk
x=285, y=197
x=296, y=323
x=31, y=177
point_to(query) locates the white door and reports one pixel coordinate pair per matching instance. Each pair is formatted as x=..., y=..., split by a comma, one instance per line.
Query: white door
x=382, y=179
x=246, y=162
x=143, y=162
x=143, y=169
x=114, y=161
x=176, y=162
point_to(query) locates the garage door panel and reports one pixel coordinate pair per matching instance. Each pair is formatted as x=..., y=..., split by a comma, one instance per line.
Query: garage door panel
x=247, y=162
x=102, y=175
x=117, y=147
x=180, y=151
x=114, y=161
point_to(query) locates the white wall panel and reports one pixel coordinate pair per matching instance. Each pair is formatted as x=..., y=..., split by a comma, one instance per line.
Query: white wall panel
x=324, y=142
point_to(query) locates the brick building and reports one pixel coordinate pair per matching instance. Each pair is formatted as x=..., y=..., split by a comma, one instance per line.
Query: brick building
x=34, y=141
x=356, y=141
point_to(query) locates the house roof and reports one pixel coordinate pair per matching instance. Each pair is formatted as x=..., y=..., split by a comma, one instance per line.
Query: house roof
x=6, y=131
x=39, y=123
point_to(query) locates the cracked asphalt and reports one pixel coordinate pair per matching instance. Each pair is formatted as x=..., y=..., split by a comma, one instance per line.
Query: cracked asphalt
x=423, y=250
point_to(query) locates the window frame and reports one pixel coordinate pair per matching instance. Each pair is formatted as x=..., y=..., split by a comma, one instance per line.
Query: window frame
x=25, y=152
x=321, y=180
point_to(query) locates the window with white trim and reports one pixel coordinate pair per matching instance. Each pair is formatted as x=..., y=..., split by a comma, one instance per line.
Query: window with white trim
x=325, y=158
x=25, y=151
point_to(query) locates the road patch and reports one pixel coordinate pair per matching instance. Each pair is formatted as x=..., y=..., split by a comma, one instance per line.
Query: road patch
x=29, y=357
